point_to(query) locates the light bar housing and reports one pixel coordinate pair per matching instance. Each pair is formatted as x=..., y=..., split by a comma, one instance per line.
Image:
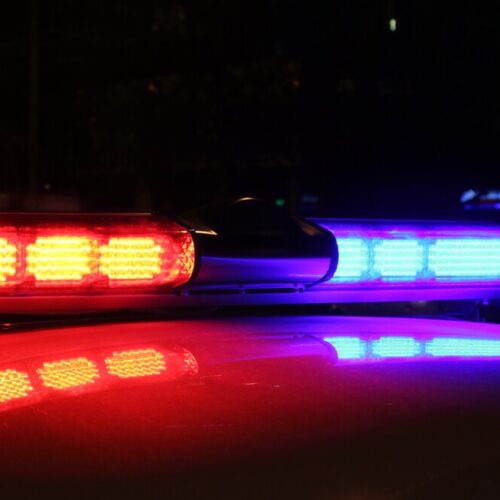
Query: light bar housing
x=248, y=243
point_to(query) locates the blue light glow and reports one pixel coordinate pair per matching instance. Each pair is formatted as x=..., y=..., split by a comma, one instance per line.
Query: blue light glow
x=468, y=195
x=459, y=347
x=348, y=347
x=398, y=258
x=357, y=263
x=395, y=347
x=381, y=254
x=412, y=348
x=465, y=257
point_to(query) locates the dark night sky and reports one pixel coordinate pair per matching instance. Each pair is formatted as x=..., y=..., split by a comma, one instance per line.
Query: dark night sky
x=169, y=104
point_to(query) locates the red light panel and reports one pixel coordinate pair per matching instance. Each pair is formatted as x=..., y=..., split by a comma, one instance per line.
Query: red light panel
x=52, y=259
x=68, y=373
x=131, y=258
x=47, y=254
x=13, y=385
x=136, y=363
x=8, y=257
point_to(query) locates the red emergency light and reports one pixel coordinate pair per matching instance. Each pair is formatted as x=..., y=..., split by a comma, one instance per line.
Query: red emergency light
x=50, y=254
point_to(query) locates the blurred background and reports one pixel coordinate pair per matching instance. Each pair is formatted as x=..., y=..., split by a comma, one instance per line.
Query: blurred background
x=340, y=108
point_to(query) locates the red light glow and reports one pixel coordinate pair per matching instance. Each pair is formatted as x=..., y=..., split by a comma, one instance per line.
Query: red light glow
x=94, y=255
x=136, y=363
x=90, y=373
x=14, y=385
x=7, y=260
x=60, y=258
x=68, y=373
x=131, y=259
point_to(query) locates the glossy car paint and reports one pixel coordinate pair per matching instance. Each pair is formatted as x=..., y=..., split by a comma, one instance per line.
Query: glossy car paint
x=269, y=394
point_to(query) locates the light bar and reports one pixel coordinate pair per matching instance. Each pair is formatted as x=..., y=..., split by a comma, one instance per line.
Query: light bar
x=49, y=254
x=429, y=258
x=72, y=263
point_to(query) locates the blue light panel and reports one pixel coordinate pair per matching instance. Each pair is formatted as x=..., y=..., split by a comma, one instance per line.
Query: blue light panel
x=383, y=257
x=395, y=347
x=348, y=347
x=360, y=349
x=357, y=263
x=465, y=257
x=398, y=258
x=460, y=347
